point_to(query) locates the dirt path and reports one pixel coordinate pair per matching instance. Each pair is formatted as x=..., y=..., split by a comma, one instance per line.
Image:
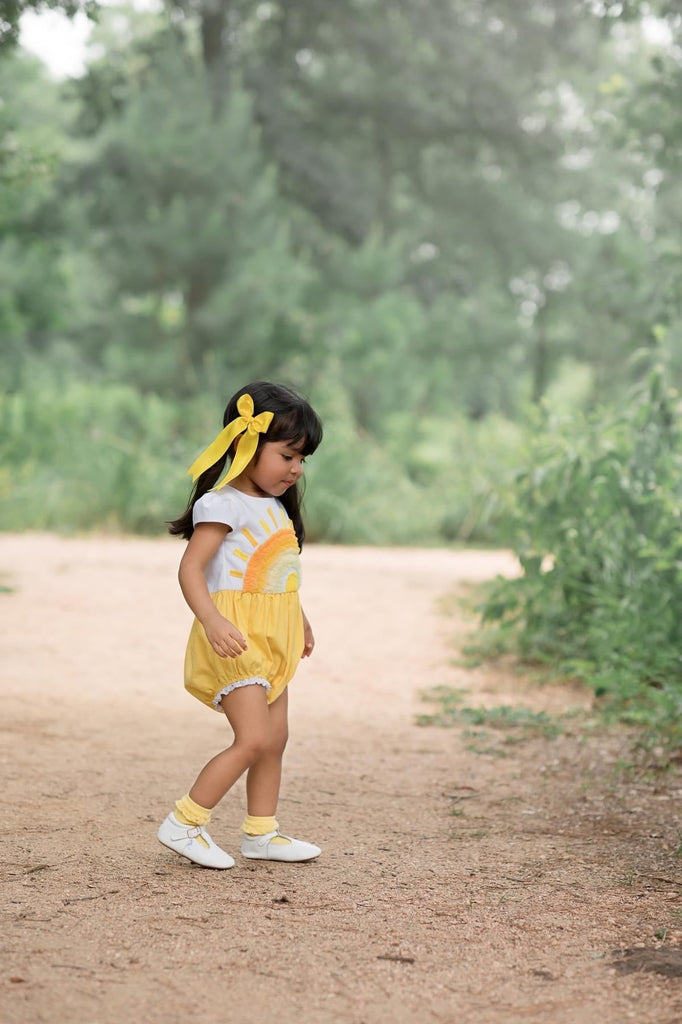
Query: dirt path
x=456, y=884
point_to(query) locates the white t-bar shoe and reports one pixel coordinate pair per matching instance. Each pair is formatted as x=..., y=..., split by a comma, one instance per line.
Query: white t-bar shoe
x=184, y=840
x=262, y=848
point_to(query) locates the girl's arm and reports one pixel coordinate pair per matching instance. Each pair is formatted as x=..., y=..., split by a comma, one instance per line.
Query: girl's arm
x=223, y=636
x=308, y=638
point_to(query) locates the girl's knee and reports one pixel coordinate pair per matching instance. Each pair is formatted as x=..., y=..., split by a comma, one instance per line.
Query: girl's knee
x=271, y=744
x=252, y=747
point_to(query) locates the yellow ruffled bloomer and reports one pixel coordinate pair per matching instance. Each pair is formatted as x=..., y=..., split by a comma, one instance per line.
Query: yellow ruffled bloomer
x=273, y=627
x=253, y=580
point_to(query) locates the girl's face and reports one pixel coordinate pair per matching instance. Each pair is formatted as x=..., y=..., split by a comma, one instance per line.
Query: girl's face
x=277, y=467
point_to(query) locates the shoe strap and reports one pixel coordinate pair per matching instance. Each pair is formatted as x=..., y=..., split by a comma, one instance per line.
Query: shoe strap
x=265, y=838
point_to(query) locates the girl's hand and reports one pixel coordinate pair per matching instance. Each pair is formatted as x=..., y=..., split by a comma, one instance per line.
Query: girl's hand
x=308, y=638
x=224, y=637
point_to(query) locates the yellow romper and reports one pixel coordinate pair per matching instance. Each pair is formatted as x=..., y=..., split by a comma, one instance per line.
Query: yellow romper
x=253, y=579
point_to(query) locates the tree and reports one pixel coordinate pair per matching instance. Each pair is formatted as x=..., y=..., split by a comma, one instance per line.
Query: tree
x=35, y=302
x=189, y=228
x=429, y=198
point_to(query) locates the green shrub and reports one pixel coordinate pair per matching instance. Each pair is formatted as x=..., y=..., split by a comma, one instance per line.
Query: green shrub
x=595, y=523
x=89, y=455
x=82, y=454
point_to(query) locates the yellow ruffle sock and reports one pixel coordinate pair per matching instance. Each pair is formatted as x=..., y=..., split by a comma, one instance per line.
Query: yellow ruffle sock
x=254, y=826
x=190, y=813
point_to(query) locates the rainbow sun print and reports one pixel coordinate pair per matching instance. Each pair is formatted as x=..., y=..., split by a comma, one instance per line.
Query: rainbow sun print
x=272, y=567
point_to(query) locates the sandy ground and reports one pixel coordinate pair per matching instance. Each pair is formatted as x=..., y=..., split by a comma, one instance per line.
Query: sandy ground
x=456, y=884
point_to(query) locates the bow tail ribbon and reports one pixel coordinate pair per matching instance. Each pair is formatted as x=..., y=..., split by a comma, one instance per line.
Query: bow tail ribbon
x=249, y=426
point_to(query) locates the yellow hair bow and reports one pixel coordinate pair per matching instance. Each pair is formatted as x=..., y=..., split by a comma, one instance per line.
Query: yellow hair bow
x=248, y=425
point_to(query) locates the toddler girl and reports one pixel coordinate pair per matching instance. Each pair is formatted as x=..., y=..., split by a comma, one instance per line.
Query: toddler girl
x=240, y=576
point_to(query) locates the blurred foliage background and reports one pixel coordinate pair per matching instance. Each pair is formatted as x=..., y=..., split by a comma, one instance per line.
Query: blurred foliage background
x=431, y=217
x=456, y=225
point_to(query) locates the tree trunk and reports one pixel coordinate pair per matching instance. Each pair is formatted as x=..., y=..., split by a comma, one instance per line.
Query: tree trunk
x=540, y=364
x=213, y=31
x=384, y=166
x=214, y=49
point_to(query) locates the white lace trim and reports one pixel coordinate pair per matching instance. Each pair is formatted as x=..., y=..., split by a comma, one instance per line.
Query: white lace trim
x=251, y=681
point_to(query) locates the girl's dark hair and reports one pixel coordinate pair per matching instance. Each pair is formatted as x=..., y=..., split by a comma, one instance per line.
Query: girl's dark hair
x=294, y=420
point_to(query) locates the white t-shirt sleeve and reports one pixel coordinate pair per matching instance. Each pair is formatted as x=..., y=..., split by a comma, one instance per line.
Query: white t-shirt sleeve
x=221, y=506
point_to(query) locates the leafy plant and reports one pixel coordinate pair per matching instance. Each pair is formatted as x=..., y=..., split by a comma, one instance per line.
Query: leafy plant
x=595, y=523
x=503, y=717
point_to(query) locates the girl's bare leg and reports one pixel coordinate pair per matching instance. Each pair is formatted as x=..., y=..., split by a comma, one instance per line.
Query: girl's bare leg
x=262, y=790
x=247, y=712
x=265, y=774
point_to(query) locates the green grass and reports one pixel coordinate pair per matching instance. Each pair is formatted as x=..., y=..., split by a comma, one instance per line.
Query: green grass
x=519, y=721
